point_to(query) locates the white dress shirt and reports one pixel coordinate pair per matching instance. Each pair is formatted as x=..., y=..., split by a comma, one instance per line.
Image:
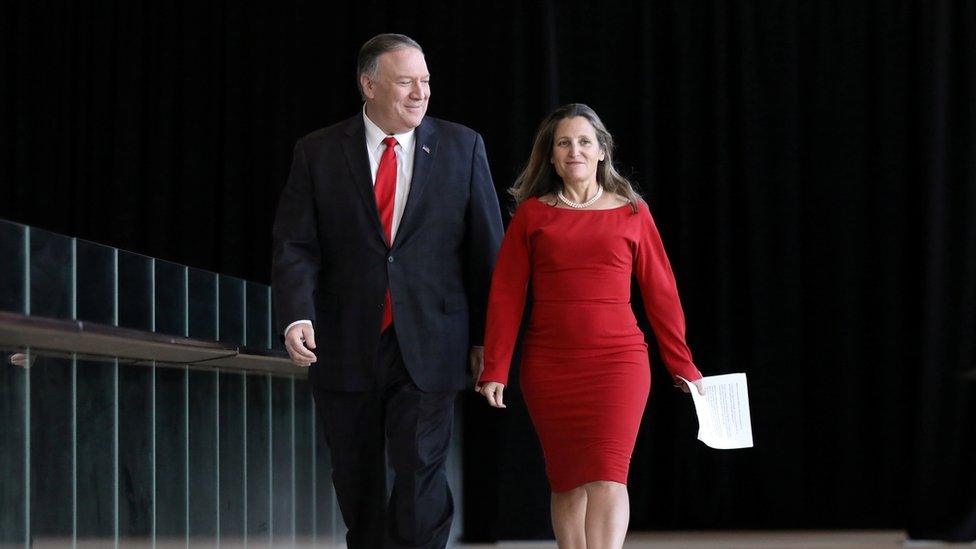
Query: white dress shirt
x=404, y=156
x=375, y=147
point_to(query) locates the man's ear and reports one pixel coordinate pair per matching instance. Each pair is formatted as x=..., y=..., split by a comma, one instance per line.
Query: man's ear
x=366, y=85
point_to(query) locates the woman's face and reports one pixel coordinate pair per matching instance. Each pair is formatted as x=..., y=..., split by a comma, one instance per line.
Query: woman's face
x=575, y=150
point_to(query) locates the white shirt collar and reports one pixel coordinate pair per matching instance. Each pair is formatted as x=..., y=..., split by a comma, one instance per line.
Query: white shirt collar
x=375, y=136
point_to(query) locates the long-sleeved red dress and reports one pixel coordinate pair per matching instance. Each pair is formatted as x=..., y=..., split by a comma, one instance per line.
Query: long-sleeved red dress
x=585, y=374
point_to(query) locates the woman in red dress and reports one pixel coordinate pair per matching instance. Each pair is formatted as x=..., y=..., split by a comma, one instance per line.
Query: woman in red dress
x=579, y=235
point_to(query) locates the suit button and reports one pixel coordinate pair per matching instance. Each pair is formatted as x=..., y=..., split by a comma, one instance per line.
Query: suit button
x=390, y=259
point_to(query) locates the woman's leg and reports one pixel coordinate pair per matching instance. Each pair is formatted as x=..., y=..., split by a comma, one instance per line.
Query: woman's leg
x=607, y=514
x=568, y=517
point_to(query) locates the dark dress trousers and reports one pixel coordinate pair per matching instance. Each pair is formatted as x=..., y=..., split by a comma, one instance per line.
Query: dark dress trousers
x=332, y=266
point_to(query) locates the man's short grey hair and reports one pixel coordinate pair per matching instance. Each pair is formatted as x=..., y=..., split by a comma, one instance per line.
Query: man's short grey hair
x=369, y=55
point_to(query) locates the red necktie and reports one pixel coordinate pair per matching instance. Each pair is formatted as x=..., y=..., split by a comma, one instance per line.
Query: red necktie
x=385, y=189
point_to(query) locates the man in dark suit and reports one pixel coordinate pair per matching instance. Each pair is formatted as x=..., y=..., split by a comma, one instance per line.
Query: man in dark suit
x=384, y=242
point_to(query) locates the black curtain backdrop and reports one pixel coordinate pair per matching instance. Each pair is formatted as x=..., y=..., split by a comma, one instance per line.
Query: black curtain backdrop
x=810, y=165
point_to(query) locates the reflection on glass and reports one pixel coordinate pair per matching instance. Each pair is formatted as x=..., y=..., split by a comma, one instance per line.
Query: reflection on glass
x=170, y=298
x=202, y=319
x=231, y=303
x=135, y=291
x=95, y=275
x=12, y=275
x=51, y=286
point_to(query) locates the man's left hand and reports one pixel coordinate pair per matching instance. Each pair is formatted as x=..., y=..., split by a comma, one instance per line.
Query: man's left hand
x=476, y=360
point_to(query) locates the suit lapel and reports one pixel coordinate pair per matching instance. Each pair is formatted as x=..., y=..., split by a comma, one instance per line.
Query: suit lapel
x=425, y=152
x=354, y=147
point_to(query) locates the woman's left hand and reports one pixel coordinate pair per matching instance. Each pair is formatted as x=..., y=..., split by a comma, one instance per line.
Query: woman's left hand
x=493, y=392
x=684, y=386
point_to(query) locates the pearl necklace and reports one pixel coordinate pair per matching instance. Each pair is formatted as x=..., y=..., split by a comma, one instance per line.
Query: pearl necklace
x=581, y=205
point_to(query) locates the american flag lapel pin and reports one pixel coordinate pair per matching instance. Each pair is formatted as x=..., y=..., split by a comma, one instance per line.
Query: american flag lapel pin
x=426, y=149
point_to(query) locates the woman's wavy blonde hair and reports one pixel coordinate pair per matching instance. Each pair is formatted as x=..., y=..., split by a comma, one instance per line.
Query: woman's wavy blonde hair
x=539, y=178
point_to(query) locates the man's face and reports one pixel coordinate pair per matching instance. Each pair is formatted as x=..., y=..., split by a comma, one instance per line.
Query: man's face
x=396, y=100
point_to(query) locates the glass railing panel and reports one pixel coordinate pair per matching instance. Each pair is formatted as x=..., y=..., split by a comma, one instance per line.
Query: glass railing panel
x=51, y=284
x=258, y=449
x=202, y=310
x=232, y=478
x=231, y=309
x=14, y=443
x=135, y=291
x=170, y=298
x=51, y=450
x=203, y=449
x=97, y=413
x=95, y=282
x=13, y=253
x=282, y=461
x=170, y=444
x=258, y=311
x=304, y=508
x=153, y=454
x=135, y=443
x=97, y=451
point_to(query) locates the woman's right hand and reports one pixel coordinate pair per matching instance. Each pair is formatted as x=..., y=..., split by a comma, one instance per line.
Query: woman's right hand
x=493, y=392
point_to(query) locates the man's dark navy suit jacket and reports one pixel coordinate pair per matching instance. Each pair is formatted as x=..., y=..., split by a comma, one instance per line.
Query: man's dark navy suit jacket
x=332, y=264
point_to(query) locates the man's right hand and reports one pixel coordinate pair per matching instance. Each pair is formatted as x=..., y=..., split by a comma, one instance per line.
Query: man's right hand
x=22, y=360
x=298, y=340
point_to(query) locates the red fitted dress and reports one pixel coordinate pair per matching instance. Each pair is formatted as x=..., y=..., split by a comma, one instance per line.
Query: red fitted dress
x=584, y=372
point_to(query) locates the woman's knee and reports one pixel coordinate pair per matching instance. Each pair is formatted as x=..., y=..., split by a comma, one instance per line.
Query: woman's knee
x=604, y=488
x=572, y=494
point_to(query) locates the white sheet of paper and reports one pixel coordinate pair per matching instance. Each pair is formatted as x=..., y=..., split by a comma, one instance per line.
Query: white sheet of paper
x=723, y=412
